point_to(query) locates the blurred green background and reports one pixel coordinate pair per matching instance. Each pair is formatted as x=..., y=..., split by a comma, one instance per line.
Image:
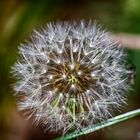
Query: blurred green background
x=17, y=20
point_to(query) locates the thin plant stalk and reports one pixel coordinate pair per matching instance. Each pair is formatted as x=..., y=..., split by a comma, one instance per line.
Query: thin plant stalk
x=106, y=123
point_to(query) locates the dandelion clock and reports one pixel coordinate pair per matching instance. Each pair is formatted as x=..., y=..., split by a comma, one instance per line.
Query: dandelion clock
x=70, y=76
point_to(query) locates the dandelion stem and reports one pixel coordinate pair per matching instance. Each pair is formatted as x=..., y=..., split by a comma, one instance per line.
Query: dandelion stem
x=95, y=127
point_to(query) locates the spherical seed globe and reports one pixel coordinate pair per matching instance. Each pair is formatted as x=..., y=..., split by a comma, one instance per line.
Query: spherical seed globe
x=71, y=75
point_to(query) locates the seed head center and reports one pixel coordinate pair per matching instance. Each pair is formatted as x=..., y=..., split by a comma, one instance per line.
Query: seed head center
x=72, y=79
x=68, y=78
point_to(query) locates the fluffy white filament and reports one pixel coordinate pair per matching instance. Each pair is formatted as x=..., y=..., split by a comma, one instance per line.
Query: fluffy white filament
x=70, y=75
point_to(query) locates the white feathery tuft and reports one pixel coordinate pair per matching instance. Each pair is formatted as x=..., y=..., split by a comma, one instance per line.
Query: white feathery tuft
x=70, y=76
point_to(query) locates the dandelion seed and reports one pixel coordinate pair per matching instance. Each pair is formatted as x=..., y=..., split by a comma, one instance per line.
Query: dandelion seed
x=70, y=76
x=71, y=66
x=79, y=73
x=64, y=76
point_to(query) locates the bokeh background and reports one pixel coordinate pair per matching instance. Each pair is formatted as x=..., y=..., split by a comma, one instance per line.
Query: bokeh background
x=17, y=20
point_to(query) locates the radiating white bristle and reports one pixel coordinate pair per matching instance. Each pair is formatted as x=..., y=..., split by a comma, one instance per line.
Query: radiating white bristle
x=71, y=75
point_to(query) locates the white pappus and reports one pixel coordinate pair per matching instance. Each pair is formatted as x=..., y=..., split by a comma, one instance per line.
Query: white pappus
x=71, y=75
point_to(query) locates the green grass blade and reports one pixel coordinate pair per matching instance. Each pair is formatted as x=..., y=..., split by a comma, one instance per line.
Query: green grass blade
x=106, y=123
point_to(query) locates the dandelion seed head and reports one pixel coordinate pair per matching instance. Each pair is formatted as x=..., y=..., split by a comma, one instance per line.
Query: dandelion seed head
x=71, y=75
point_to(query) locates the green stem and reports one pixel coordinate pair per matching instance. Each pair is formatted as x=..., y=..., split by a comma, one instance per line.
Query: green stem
x=101, y=125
